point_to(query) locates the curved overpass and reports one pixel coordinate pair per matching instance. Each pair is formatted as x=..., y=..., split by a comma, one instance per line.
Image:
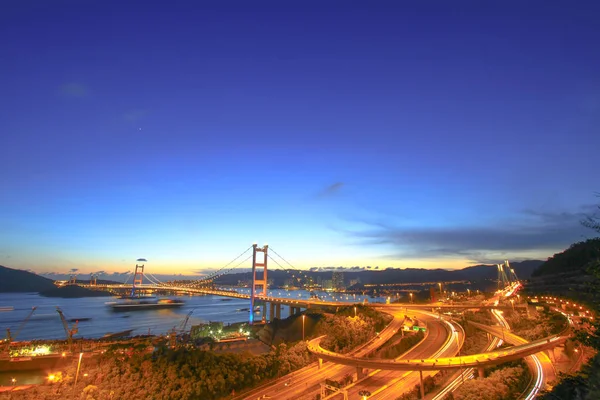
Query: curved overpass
x=474, y=360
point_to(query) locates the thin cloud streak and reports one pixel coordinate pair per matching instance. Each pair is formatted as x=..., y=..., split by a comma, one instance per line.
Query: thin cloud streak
x=330, y=190
x=541, y=231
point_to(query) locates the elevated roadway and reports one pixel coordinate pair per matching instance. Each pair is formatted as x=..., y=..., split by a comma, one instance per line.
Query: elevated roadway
x=305, y=383
x=443, y=339
x=435, y=364
x=299, y=303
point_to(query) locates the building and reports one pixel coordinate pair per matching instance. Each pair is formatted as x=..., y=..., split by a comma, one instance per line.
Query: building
x=338, y=280
x=354, y=281
x=327, y=284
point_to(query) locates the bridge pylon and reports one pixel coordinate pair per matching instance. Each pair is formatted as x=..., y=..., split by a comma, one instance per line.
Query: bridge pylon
x=258, y=282
x=138, y=277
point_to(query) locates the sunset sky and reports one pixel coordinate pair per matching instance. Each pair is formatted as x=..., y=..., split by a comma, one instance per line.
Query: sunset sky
x=396, y=134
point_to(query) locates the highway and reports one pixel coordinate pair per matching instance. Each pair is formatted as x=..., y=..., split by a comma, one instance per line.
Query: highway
x=540, y=364
x=436, y=363
x=293, y=385
x=305, y=383
x=407, y=380
x=438, y=341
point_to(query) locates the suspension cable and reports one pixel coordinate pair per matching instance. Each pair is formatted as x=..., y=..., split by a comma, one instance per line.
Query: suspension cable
x=226, y=271
x=212, y=274
x=128, y=276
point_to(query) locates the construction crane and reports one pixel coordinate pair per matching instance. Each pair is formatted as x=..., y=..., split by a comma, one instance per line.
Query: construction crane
x=185, y=321
x=69, y=331
x=9, y=337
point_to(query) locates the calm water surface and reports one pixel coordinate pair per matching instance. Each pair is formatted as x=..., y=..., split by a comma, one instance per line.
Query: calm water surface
x=45, y=322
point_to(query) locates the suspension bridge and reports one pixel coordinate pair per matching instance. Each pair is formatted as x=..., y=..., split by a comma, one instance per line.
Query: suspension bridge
x=258, y=295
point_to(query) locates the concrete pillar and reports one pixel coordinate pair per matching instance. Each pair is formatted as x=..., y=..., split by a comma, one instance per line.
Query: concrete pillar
x=271, y=311
x=278, y=311
x=480, y=372
x=292, y=310
x=422, y=386
x=550, y=353
x=360, y=373
x=264, y=311
x=320, y=363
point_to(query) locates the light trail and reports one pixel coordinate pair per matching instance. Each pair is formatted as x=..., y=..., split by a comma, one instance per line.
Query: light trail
x=469, y=373
x=538, y=365
x=539, y=380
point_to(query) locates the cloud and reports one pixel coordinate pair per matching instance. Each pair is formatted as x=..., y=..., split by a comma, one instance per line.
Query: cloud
x=535, y=231
x=74, y=89
x=135, y=115
x=330, y=190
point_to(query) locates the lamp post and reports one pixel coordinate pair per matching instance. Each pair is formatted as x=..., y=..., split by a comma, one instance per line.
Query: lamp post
x=78, y=366
x=354, y=311
x=411, y=297
x=303, y=318
x=440, y=285
x=512, y=303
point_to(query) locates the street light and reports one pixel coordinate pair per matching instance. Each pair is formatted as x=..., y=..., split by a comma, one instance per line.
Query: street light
x=354, y=311
x=303, y=318
x=14, y=381
x=411, y=297
x=78, y=366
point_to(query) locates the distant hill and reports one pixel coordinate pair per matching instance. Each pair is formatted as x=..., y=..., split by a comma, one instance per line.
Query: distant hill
x=16, y=280
x=523, y=270
x=564, y=274
x=575, y=258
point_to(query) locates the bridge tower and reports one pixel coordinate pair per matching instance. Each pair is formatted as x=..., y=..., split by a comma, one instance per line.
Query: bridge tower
x=513, y=277
x=502, y=278
x=138, y=277
x=258, y=282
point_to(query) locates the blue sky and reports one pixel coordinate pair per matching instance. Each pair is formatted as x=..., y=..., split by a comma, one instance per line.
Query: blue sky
x=391, y=134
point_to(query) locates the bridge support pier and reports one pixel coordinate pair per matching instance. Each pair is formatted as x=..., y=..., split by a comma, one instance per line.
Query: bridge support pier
x=278, y=311
x=271, y=311
x=360, y=373
x=480, y=372
x=551, y=355
x=421, y=385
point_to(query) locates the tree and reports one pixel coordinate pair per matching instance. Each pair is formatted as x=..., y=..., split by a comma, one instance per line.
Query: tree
x=592, y=221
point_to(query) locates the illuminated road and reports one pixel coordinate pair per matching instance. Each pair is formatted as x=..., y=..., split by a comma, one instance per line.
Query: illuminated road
x=399, y=382
x=302, y=303
x=294, y=385
x=304, y=384
x=434, y=364
x=539, y=364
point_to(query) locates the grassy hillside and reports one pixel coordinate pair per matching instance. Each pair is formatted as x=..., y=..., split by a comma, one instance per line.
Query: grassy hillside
x=575, y=259
x=16, y=280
